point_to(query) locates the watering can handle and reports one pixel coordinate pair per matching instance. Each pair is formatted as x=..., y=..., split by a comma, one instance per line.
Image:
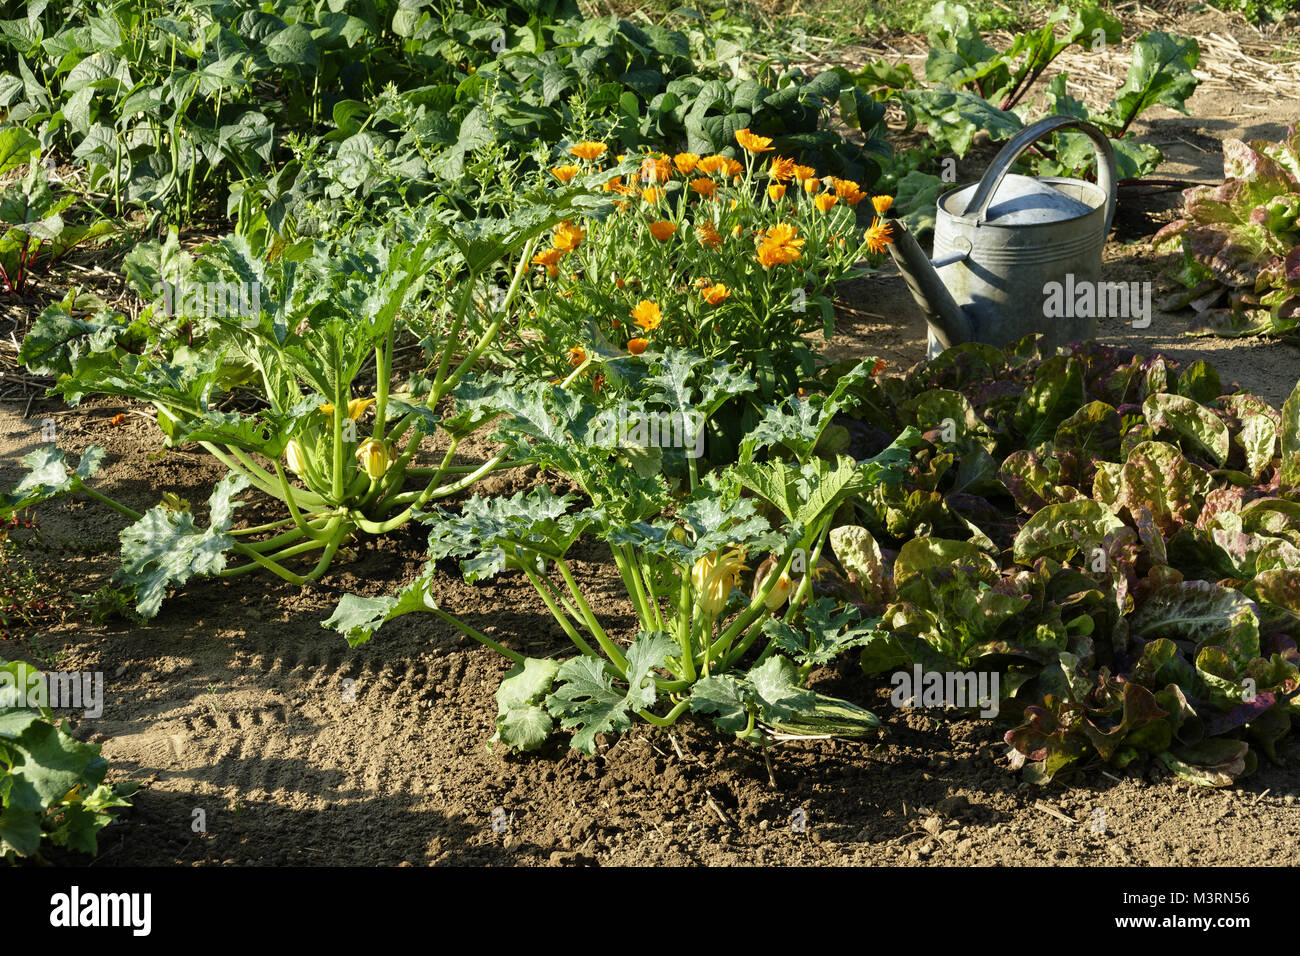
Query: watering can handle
x=1107, y=176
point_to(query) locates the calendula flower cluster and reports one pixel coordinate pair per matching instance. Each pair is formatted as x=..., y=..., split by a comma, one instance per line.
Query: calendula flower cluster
x=709, y=252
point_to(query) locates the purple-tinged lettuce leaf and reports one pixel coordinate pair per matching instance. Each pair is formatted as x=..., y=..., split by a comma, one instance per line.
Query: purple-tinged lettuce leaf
x=1063, y=530
x=1158, y=477
x=1192, y=422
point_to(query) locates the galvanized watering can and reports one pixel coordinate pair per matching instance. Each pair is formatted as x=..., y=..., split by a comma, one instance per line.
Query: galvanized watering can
x=1000, y=242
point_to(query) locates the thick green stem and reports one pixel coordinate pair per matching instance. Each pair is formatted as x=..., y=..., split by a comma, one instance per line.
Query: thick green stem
x=80, y=485
x=478, y=635
x=561, y=618
x=668, y=719
x=593, y=625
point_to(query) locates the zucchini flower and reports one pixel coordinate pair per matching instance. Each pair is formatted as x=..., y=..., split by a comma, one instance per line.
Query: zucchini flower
x=713, y=577
x=781, y=591
x=293, y=457
x=374, y=457
x=356, y=408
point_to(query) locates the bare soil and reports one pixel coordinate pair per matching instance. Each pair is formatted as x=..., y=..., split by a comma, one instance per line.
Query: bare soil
x=234, y=700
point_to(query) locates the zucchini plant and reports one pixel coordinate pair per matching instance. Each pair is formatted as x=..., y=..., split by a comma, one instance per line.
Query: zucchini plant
x=271, y=389
x=701, y=645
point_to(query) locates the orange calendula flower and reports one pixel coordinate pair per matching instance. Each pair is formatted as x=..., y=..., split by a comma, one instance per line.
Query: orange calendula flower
x=804, y=172
x=825, y=202
x=879, y=367
x=878, y=236
x=810, y=186
x=637, y=346
x=615, y=185
x=550, y=259
x=711, y=164
x=704, y=186
x=117, y=420
x=733, y=167
x=752, y=143
x=663, y=229
x=567, y=236
x=780, y=245
x=647, y=315
x=577, y=355
x=656, y=170
x=882, y=204
x=588, y=150
x=782, y=169
x=686, y=163
x=565, y=173
x=652, y=194
x=775, y=191
x=708, y=234
x=849, y=191
x=716, y=293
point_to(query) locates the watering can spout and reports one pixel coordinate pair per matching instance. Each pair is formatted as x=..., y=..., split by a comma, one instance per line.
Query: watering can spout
x=948, y=321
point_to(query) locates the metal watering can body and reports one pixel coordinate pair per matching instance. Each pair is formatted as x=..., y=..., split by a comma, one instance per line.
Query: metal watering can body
x=999, y=243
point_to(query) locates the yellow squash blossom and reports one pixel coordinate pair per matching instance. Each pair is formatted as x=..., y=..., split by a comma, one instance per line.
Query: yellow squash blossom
x=713, y=577
x=356, y=408
x=716, y=293
x=588, y=150
x=293, y=457
x=663, y=229
x=780, y=592
x=647, y=315
x=374, y=457
x=565, y=173
x=752, y=143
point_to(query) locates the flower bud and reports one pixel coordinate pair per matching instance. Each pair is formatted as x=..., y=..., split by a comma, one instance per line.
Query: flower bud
x=293, y=457
x=373, y=457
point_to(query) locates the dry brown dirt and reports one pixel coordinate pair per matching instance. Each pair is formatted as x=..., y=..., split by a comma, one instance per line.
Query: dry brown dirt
x=232, y=701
